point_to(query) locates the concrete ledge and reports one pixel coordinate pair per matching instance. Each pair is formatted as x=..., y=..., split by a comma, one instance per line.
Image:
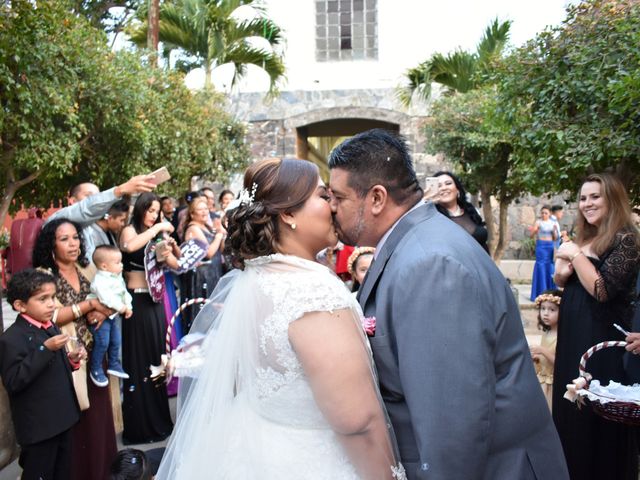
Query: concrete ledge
x=518, y=271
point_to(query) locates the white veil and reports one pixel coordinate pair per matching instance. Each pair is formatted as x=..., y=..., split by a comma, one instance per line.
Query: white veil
x=214, y=422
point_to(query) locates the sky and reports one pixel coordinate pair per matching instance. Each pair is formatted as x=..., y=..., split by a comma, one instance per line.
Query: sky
x=409, y=31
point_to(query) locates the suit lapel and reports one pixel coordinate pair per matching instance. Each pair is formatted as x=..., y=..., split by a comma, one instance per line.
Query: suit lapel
x=418, y=215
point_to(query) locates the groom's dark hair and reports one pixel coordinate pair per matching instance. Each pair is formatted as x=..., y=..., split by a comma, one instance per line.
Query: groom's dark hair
x=378, y=157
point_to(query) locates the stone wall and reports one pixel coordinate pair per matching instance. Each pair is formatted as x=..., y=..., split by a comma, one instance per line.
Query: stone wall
x=272, y=126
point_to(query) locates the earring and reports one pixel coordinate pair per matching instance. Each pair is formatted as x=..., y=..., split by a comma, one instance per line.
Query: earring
x=293, y=226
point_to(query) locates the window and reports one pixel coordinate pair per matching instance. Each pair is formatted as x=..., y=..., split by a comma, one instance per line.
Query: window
x=346, y=30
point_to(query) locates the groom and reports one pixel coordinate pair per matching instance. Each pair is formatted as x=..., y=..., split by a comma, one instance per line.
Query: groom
x=454, y=367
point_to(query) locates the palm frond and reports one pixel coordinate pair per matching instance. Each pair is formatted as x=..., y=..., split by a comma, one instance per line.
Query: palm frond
x=244, y=54
x=493, y=41
x=257, y=27
x=455, y=71
x=418, y=82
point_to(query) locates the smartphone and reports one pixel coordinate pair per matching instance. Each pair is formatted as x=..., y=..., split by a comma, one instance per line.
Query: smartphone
x=161, y=175
x=431, y=184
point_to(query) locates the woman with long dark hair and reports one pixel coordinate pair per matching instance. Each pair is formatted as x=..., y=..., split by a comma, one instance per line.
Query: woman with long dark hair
x=452, y=203
x=60, y=249
x=145, y=406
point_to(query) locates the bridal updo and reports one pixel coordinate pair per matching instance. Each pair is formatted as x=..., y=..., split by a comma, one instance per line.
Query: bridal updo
x=276, y=186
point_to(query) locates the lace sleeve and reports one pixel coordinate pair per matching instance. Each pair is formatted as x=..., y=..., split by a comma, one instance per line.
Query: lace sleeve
x=323, y=294
x=619, y=268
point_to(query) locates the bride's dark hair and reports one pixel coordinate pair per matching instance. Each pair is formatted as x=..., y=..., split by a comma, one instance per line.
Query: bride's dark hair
x=281, y=186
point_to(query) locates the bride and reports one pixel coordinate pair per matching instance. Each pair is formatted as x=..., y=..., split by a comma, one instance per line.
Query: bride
x=286, y=386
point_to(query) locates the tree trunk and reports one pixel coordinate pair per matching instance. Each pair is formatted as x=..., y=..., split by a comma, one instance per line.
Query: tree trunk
x=153, y=31
x=487, y=213
x=502, y=237
x=625, y=173
x=207, y=75
x=9, y=192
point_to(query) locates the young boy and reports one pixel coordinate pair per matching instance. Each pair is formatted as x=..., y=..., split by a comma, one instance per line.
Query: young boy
x=36, y=372
x=109, y=287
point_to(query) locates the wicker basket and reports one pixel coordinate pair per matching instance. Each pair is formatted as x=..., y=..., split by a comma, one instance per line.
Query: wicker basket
x=617, y=411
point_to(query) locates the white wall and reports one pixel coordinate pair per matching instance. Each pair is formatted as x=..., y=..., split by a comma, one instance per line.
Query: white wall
x=409, y=31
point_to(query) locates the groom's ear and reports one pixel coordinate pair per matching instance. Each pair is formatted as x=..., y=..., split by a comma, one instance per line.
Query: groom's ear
x=379, y=198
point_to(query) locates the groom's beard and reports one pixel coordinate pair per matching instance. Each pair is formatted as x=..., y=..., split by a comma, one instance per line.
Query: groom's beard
x=351, y=236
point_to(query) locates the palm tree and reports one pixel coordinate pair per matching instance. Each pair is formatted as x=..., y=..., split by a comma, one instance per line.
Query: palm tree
x=459, y=71
x=207, y=31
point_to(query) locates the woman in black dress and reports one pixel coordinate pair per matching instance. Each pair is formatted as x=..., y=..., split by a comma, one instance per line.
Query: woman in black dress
x=145, y=405
x=452, y=203
x=598, y=273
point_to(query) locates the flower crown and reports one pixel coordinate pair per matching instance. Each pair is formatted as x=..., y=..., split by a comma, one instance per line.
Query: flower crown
x=244, y=198
x=353, y=258
x=547, y=297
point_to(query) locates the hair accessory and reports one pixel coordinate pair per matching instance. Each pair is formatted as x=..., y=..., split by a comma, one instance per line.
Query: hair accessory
x=134, y=460
x=353, y=258
x=244, y=198
x=547, y=297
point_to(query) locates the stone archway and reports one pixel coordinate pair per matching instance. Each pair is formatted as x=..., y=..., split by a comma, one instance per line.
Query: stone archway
x=282, y=128
x=316, y=140
x=319, y=131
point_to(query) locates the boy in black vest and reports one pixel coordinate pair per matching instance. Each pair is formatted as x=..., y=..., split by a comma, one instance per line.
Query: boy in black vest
x=36, y=372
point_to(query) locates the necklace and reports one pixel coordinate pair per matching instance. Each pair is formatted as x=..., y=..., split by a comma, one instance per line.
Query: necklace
x=457, y=212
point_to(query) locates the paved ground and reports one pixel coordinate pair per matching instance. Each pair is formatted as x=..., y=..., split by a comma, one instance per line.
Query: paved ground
x=12, y=471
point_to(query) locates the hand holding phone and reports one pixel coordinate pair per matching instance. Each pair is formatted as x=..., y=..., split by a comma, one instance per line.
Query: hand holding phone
x=159, y=176
x=431, y=188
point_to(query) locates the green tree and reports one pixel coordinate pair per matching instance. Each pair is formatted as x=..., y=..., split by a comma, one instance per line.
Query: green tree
x=459, y=71
x=109, y=15
x=73, y=110
x=465, y=128
x=209, y=35
x=571, y=96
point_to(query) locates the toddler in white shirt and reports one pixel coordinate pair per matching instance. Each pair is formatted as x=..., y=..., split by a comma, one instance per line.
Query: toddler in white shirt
x=108, y=286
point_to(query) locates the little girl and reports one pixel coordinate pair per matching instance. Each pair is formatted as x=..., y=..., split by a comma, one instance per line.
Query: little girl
x=544, y=356
x=358, y=265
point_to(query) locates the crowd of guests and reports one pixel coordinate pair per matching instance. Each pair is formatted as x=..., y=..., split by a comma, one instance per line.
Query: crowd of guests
x=77, y=306
x=76, y=300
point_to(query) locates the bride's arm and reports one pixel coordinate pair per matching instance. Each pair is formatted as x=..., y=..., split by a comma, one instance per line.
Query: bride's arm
x=334, y=357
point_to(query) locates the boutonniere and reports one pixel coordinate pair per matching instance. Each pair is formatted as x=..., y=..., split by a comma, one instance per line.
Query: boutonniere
x=369, y=325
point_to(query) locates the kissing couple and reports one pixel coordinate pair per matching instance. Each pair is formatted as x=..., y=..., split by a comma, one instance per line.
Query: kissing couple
x=287, y=387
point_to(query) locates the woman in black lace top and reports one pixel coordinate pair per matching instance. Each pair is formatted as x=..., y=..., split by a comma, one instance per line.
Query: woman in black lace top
x=452, y=202
x=598, y=273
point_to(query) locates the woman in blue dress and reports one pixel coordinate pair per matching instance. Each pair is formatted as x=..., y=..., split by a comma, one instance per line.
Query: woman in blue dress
x=545, y=232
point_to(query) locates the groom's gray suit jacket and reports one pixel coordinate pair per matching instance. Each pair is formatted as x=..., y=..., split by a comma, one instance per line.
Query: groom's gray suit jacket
x=454, y=367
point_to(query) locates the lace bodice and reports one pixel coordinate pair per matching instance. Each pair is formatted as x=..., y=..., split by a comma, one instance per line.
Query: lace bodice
x=280, y=383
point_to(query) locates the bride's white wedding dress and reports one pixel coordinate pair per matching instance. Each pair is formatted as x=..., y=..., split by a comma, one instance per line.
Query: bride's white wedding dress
x=248, y=412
